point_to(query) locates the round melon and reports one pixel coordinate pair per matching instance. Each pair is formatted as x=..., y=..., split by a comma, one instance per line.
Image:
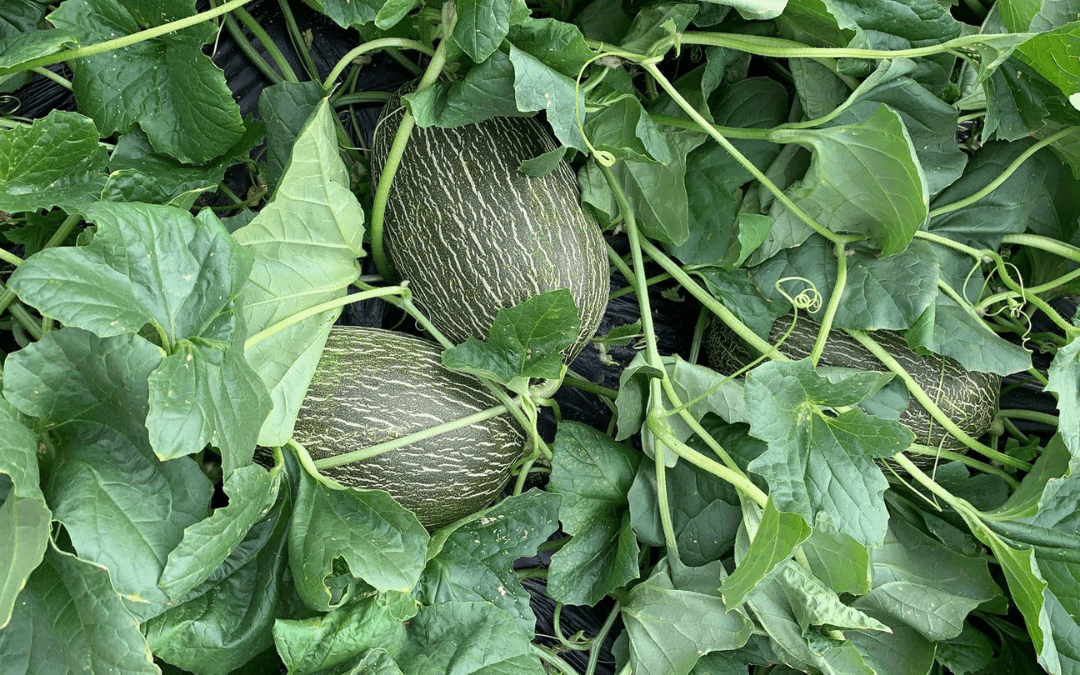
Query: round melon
x=374, y=385
x=472, y=234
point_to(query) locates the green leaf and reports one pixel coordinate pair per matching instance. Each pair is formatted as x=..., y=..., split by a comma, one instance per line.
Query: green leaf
x=624, y=129
x=121, y=506
x=146, y=263
x=252, y=492
x=327, y=640
x=902, y=650
x=540, y=87
x=1064, y=380
x=139, y=174
x=285, y=108
x=486, y=91
x=70, y=620
x=670, y=629
x=945, y=328
x=559, y=45
x=350, y=13
x=165, y=85
x=206, y=393
x=757, y=9
x=837, y=559
x=1047, y=52
x=929, y=121
x=543, y=164
x=481, y=26
x=19, y=48
x=56, y=161
x=920, y=582
x=822, y=463
x=305, y=243
x=778, y=536
x=657, y=22
x=467, y=637
x=705, y=512
x=969, y=652
x=815, y=605
x=25, y=518
x=865, y=177
x=381, y=541
x=525, y=341
x=657, y=192
x=592, y=473
x=227, y=620
x=474, y=562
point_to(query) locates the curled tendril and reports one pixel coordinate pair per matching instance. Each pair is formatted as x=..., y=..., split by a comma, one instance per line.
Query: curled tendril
x=9, y=104
x=609, y=60
x=808, y=299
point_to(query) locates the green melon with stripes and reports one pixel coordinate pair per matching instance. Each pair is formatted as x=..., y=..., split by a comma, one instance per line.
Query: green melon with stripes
x=374, y=385
x=968, y=398
x=472, y=234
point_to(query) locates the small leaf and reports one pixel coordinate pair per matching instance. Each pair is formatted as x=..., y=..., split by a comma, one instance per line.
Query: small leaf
x=1064, y=380
x=670, y=629
x=817, y=462
x=470, y=637
x=592, y=473
x=778, y=535
x=543, y=164
x=539, y=87
x=70, y=620
x=525, y=340
x=381, y=541
x=481, y=26
x=474, y=561
x=486, y=91
x=56, y=161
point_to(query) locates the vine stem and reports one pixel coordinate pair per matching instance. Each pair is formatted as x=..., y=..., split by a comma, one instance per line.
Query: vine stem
x=397, y=150
x=1058, y=248
x=706, y=299
x=409, y=439
x=319, y=309
x=405, y=303
x=742, y=159
x=924, y=399
x=10, y=258
x=834, y=304
x=370, y=46
x=655, y=399
x=951, y=456
x=1030, y=415
x=601, y=635
x=268, y=44
x=1004, y=175
x=126, y=40
x=787, y=49
x=55, y=77
x=7, y=296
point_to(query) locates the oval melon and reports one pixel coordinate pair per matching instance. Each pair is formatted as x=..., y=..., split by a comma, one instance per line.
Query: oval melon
x=374, y=385
x=472, y=234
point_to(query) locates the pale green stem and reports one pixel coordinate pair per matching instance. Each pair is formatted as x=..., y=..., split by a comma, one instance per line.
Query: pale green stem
x=684, y=451
x=742, y=159
x=319, y=309
x=924, y=399
x=1003, y=176
x=834, y=304
x=1034, y=290
x=393, y=157
x=10, y=258
x=1055, y=246
x=951, y=456
x=268, y=44
x=788, y=49
x=714, y=306
x=31, y=324
x=126, y=40
x=373, y=45
x=55, y=77
x=408, y=439
x=1030, y=415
